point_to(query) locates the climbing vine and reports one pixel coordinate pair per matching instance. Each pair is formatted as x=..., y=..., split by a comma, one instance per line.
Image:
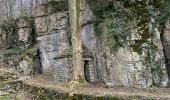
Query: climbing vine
x=56, y=5
x=110, y=23
x=158, y=12
x=114, y=25
x=8, y=28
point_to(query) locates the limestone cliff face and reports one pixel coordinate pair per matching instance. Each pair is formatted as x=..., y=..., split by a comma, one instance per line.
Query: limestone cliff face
x=16, y=8
x=54, y=42
x=166, y=45
x=127, y=66
x=42, y=45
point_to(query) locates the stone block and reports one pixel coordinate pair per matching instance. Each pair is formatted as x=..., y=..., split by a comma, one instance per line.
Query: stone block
x=24, y=23
x=25, y=34
x=58, y=21
x=42, y=25
x=63, y=70
x=40, y=11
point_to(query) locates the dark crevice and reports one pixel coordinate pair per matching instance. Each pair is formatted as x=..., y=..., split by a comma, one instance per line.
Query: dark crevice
x=166, y=51
x=86, y=70
x=38, y=64
x=40, y=69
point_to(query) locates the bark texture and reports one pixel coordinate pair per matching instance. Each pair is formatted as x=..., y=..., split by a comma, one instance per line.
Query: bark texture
x=75, y=24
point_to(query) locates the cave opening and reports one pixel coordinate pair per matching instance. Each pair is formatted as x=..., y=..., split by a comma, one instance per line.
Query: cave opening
x=167, y=63
x=86, y=70
x=39, y=68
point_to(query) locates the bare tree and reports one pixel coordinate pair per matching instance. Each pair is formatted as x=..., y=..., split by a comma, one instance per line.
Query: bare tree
x=74, y=14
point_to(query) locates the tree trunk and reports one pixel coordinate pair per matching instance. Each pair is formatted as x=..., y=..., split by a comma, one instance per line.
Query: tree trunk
x=74, y=14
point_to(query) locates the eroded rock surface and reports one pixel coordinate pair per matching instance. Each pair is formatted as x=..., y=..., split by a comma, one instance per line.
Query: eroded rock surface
x=42, y=45
x=54, y=43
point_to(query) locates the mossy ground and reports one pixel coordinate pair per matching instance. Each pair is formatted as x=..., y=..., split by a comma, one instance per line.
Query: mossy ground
x=6, y=98
x=89, y=92
x=48, y=90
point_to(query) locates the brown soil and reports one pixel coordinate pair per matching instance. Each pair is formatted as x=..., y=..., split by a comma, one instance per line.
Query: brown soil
x=101, y=90
x=96, y=89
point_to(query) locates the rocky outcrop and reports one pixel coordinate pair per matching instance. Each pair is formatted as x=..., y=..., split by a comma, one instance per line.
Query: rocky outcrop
x=42, y=44
x=54, y=42
x=140, y=64
x=8, y=33
x=25, y=31
x=89, y=42
x=20, y=52
x=133, y=69
x=7, y=82
x=137, y=65
x=166, y=45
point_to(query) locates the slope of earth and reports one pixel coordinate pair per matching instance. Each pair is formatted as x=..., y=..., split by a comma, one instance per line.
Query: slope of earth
x=29, y=88
x=47, y=89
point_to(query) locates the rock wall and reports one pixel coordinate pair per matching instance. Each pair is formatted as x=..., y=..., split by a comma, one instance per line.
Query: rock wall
x=42, y=45
x=21, y=51
x=54, y=42
x=89, y=40
x=16, y=8
x=132, y=69
x=140, y=64
x=166, y=45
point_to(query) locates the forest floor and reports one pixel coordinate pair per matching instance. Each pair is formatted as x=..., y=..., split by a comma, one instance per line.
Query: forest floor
x=101, y=90
x=97, y=89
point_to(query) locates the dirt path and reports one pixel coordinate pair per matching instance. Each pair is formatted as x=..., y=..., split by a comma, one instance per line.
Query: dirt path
x=100, y=90
x=94, y=89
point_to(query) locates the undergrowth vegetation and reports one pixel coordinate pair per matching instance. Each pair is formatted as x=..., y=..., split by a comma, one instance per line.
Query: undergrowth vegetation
x=110, y=23
x=113, y=23
x=134, y=25
x=56, y=5
x=8, y=30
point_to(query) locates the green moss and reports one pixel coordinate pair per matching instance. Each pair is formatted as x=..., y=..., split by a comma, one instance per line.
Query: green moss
x=29, y=19
x=117, y=19
x=48, y=75
x=30, y=52
x=54, y=6
x=137, y=48
x=10, y=52
x=9, y=28
x=6, y=25
x=45, y=93
x=111, y=26
x=81, y=79
x=6, y=98
x=5, y=76
x=75, y=97
x=139, y=8
x=109, y=23
x=64, y=54
x=164, y=15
